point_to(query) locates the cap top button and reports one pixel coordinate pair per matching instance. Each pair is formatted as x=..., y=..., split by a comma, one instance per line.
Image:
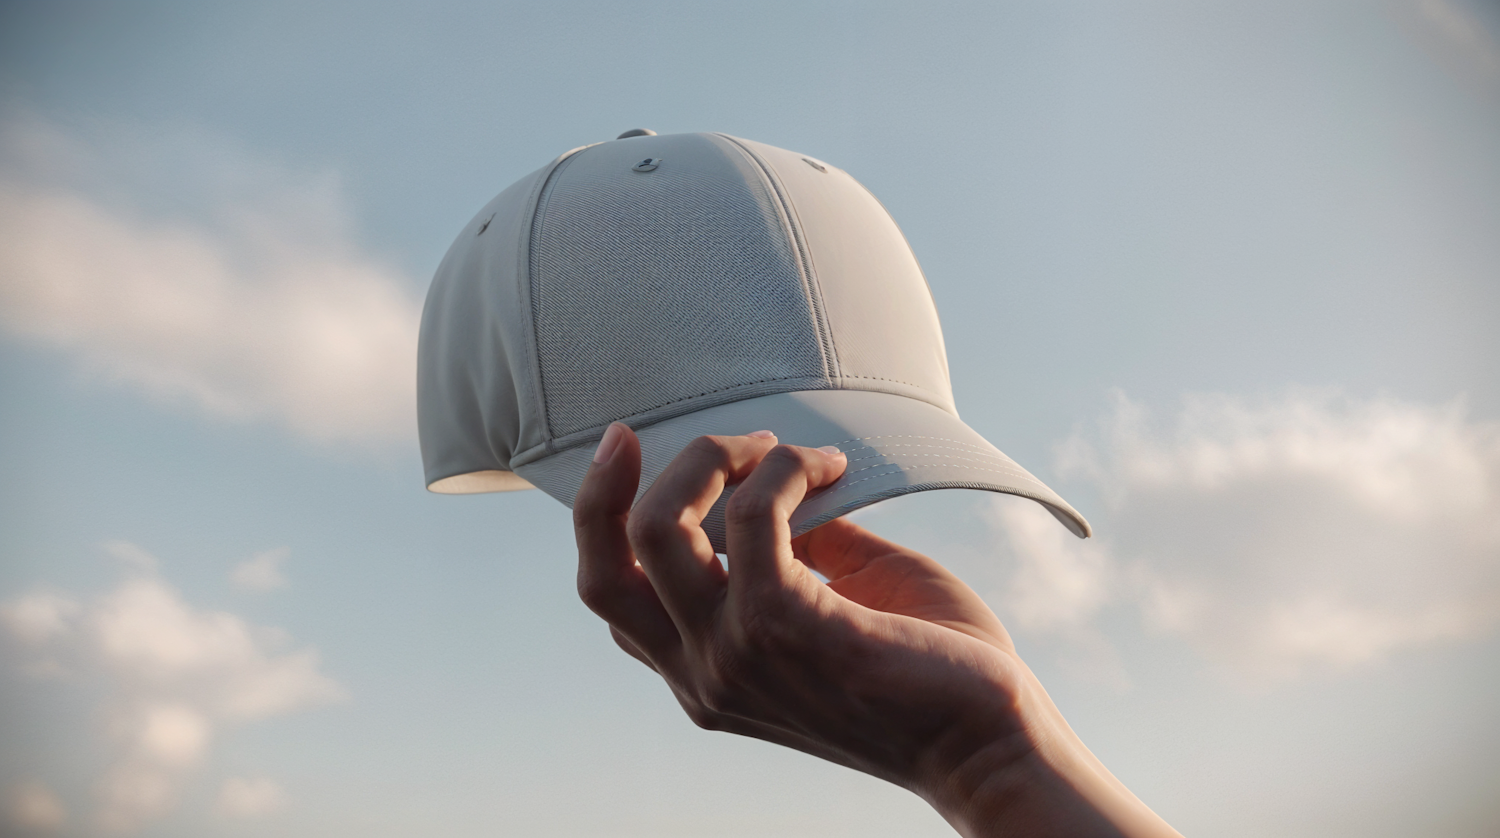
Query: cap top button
x=637, y=132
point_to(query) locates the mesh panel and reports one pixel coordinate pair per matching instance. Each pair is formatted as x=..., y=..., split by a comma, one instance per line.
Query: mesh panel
x=650, y=289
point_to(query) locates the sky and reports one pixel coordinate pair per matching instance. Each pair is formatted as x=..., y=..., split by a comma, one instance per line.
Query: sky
x=1225, y=275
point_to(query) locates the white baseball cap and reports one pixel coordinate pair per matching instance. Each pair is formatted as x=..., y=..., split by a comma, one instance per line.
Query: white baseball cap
x=693, y=284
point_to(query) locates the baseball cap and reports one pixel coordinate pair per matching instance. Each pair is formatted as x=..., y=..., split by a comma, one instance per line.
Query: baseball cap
x=692, y=284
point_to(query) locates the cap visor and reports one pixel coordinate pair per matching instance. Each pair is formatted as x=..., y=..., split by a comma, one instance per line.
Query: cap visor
x=896, y=446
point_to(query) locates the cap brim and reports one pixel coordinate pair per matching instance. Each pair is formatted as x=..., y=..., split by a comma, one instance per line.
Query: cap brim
x=896, y=446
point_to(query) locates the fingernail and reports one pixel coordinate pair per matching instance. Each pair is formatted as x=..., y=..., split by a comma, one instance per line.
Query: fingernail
x=831, y=450
x=761, y=434
x=609, y=443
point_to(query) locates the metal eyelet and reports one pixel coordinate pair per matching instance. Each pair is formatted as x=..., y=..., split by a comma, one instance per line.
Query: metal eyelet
x=647, y=165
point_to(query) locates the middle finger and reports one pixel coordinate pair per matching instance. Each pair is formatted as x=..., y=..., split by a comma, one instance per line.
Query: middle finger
x=665, y=527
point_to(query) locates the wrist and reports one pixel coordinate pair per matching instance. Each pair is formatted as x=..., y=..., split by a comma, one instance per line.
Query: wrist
x=1032, y=776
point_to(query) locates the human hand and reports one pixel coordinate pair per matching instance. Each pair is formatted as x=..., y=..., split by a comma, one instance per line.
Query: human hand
x=894, y=667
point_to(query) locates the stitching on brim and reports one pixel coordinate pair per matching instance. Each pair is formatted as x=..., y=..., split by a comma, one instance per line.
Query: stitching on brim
x=909, y=436
x=1017, y=470
x=900, y=468
x=792, y=378
x=969, y=450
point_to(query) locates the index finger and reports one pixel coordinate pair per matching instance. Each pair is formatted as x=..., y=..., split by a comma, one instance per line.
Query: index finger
x=610, y=582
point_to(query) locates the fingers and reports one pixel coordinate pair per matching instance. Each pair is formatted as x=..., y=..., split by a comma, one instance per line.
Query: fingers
x=665, y=527
x=756, y=520
x=610, y=582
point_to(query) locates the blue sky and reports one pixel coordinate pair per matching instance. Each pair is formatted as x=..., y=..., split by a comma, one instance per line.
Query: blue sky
x=1225, y=275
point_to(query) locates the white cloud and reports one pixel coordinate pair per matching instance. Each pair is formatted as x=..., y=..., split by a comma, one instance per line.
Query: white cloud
x=1057, y=585
x=242, y=293
x=251, y=797
x=1059, y=582
x=39, y=617
x=175, y=674
x=261, y=572
x=1279, y=534
x=33, y=807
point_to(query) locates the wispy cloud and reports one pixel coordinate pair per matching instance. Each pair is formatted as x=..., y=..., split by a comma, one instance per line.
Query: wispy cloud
x=170, y=262
x=33, y=807
x=175, y=674
x=251, y=797
x=1309, y=530
x=1463, y=35
x=261, y=572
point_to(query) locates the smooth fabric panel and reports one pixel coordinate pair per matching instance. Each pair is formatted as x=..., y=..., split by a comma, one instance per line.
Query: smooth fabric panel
x=471, y=356
x=885, y=326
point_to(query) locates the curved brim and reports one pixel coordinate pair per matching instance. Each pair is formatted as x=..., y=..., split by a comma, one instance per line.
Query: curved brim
x=895, y=446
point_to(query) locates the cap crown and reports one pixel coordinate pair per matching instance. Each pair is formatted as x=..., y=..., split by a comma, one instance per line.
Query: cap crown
x=597, y=289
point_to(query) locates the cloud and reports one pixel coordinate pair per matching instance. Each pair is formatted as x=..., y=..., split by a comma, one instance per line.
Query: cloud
x=167, y=261
x=175, y=675
x=251, y=797
x=1276, y=535
x=130, y=555
x=1057, y=585
x=1059, y=582
x=1462, y=35
x=33, y=807
x=261, y=572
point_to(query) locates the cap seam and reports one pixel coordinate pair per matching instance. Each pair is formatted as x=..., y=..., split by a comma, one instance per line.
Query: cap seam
x=805, y=265
x=539, y=203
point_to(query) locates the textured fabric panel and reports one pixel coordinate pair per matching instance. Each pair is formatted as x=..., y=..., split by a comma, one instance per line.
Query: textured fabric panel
x=654, y=288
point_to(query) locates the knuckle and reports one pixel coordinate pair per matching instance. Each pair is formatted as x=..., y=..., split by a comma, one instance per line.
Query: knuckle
x=583, y=516
x=583, y=509
x=700, y=715
x=716, y=698
x=650, y=530
x=709, y=447
x=594, y=592
x=751, y=507
x=789, y=455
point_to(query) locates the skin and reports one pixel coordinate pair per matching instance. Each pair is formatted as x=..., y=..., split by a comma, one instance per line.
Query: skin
x=894, y=667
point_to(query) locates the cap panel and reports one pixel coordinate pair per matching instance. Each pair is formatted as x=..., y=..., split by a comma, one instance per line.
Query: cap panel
x=662, y=287
x=884, y=324
x=475, y=403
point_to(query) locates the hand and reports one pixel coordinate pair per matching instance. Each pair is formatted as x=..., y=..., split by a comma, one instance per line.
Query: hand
x=895, y=667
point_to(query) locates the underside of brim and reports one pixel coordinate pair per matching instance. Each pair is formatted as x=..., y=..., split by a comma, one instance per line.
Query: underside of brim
x=475, y=482
x=895, y=445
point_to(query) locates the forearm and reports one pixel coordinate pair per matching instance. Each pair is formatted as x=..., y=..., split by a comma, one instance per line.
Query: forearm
x=1038, y=781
